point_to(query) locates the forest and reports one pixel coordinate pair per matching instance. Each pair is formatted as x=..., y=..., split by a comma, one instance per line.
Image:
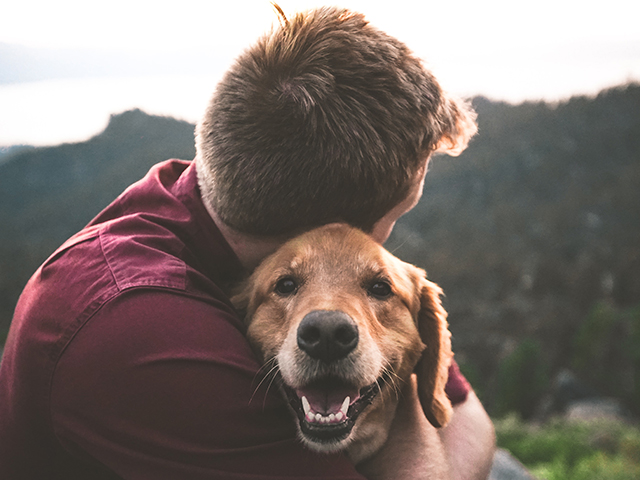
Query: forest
x=533, y=233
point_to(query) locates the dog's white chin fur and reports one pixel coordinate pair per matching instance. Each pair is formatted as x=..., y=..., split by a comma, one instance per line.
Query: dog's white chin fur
x=362, y=368
x=365, y=437
x=371, y=436
x=326, y=447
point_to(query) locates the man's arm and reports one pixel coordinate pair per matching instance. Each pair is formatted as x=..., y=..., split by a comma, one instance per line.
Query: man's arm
x=416, y=450
x=162, y=385
x=469, y=440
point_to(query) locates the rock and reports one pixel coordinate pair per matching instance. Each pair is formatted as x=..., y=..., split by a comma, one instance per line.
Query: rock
x=506, y=467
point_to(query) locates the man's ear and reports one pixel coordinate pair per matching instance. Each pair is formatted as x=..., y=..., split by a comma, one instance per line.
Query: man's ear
x=432, y=369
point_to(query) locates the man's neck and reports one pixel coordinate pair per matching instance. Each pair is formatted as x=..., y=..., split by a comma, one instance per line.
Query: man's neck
x=250, y=250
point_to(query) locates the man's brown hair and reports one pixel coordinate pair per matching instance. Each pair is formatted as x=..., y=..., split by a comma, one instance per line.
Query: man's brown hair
x=324, y=119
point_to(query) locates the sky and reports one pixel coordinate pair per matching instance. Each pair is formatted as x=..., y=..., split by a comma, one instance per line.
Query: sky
x=506, y=50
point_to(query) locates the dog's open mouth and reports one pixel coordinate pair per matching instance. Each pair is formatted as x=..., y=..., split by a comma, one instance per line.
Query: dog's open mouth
x=328, y=408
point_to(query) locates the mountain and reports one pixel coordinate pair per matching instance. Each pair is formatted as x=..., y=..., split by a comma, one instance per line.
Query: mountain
x=533, y=233
x=47, y=194
x=7, y=152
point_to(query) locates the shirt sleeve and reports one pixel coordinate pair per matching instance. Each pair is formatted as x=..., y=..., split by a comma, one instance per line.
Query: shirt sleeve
x=457, y=387
x=159, y=385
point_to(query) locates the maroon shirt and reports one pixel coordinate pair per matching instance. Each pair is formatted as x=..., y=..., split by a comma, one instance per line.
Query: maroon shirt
x=126, y=359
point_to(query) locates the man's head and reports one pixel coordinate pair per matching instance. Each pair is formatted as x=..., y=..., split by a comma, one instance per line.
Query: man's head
x=325, y=119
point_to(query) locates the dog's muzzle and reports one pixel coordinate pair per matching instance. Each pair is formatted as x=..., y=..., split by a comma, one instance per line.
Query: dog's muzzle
x=328, y=406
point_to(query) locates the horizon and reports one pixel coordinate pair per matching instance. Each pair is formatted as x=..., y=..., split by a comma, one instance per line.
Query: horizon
x=549, y=51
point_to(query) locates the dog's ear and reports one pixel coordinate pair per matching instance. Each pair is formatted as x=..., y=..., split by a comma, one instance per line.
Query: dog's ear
x=241, y=298
x=432, y=369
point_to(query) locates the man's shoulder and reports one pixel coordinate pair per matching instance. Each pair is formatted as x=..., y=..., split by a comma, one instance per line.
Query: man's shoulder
x=139, y=240
x=105, y=259
x=141, y=253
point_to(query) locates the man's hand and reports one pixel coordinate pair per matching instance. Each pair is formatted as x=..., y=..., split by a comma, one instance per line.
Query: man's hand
x=413, y=450
x=469, y=440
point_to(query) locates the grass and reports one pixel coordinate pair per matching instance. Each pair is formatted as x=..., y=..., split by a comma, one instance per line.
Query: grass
x=561, y=450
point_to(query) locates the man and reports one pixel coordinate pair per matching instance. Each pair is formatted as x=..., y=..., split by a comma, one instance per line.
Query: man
x=126, y=359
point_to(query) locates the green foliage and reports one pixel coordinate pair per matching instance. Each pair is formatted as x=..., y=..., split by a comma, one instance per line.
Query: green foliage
x=606, y=351
x=598, y=466
x=522, y=380
x=573, y=451
x=473, y=376
x=591, y=341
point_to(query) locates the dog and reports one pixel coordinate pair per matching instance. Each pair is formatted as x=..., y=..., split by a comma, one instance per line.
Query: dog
x=342, y=324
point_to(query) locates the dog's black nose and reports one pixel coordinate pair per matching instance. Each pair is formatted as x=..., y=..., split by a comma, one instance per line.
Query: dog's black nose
x=327, y=335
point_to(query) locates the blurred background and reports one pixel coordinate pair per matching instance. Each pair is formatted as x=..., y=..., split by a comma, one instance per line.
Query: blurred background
x=66, y=65
x=534, y=232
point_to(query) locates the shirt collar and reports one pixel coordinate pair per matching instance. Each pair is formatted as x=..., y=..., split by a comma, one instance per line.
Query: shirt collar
x=218, y=258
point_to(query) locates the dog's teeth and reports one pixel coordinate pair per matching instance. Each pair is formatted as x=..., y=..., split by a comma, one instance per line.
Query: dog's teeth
x=345, y=406
x=314, y=417
x=305, y=406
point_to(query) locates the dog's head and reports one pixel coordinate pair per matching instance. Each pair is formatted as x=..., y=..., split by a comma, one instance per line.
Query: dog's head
x=346, y=323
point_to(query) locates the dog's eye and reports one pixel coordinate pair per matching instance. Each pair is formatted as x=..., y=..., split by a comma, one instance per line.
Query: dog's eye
x=286, y=286
x=380, y=289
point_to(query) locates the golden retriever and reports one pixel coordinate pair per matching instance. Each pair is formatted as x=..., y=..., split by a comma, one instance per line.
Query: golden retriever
x=342, y=324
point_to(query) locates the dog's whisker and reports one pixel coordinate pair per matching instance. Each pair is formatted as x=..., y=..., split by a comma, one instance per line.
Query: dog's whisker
x=271, y=361
x=271, y=373
x=263, y=368
x=392, y=379
x=255, y=391
x=264, y=400
x=398, y=247
x=386, y=379
x=380, y=388
x=271, y=364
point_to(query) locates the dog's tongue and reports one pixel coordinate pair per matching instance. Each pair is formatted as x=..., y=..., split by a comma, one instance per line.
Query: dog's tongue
x=327, y=398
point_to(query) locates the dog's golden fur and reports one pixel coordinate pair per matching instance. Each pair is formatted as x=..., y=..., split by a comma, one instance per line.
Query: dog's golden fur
x=337, y=268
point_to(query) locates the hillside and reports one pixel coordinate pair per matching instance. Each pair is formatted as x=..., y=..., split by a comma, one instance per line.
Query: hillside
x=532, y=230
x=47, y=194
x=533, y=233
